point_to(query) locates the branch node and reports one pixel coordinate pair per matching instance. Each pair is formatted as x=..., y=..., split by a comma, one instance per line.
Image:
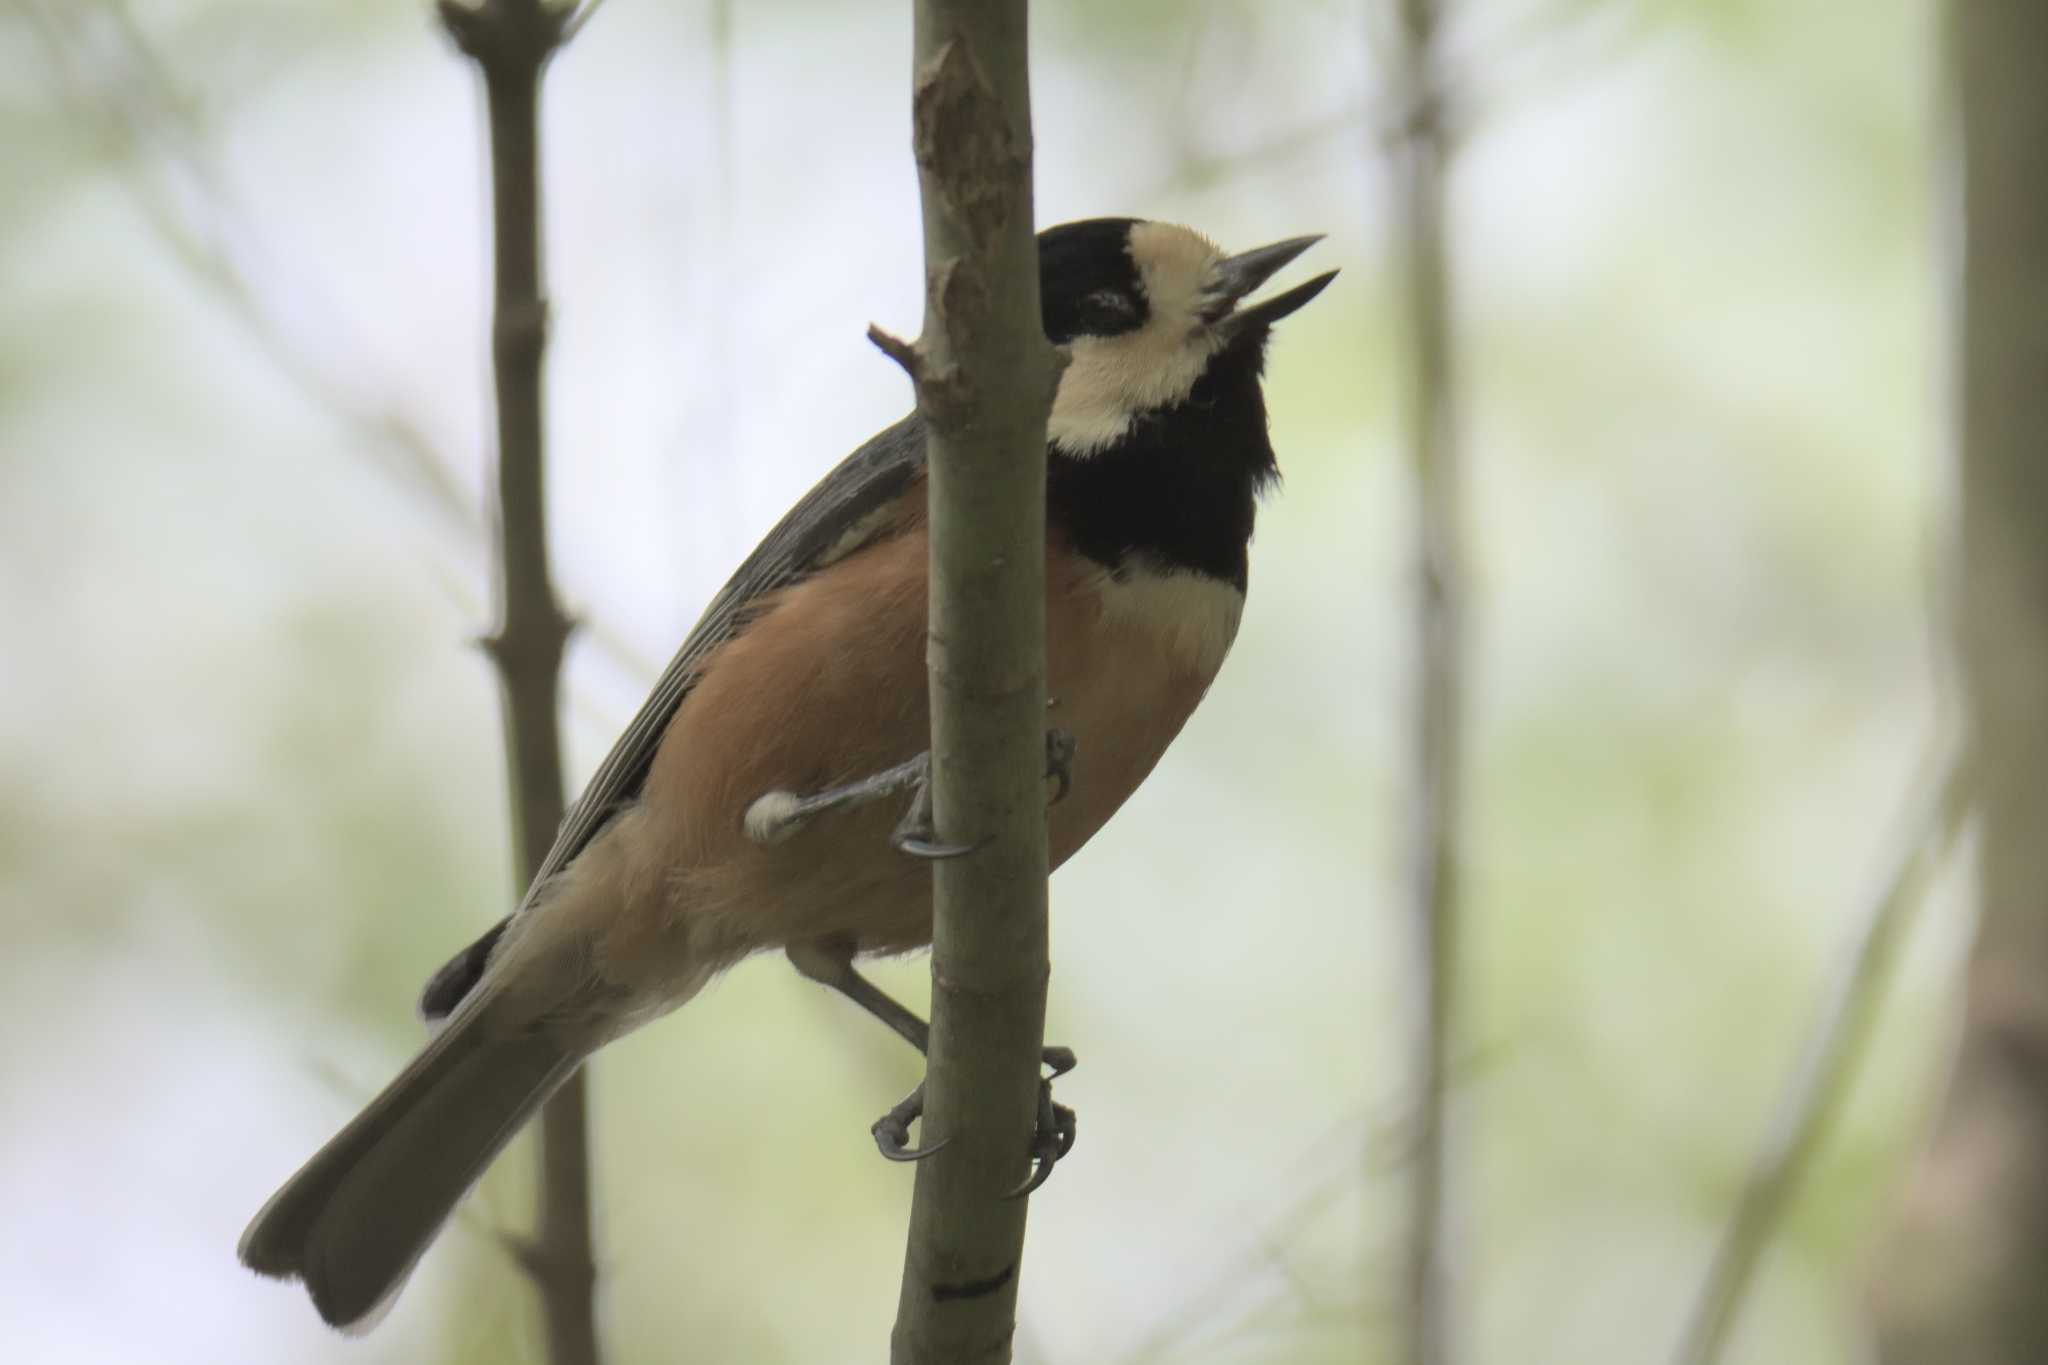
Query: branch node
x=910, y=355
x=541, y=635
x=943, y=395
x=505, y=36
x=525, y=1253
x=520, y=328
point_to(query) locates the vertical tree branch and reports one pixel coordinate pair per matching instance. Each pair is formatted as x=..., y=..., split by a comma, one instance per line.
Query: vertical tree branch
x=511, y=42
x=1833, y=1053
x=1421, y=154
x=1961, y=1280
x=985, y=376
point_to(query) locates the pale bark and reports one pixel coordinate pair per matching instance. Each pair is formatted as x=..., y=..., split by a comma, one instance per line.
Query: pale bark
x=985, y=376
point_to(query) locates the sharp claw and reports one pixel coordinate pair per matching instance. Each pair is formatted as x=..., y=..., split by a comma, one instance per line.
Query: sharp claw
x=892, y=1131
x=1041, y=1172
x=1053, y=1130
x=917, y=846
x=1053, y=1136
x=914, y=833
x=1063, y=1118
x=891, y=1145
x=1059, y=761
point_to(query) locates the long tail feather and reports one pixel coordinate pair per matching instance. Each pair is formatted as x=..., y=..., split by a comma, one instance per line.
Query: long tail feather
x=357, y=1217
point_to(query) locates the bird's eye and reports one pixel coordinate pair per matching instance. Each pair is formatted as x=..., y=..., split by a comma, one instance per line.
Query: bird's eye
x=1106, y=310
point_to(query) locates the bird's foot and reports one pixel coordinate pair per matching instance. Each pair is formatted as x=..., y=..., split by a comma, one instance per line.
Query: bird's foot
x=915, y=833
x=1059, y=766
x=1052, y=1135
x=779, y=814
x=892, y=1130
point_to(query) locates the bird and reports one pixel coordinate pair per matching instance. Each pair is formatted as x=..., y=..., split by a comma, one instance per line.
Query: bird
x=751, y=804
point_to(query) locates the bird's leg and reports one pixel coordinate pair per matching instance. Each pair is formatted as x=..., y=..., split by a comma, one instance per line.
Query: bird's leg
x=914, y=832
x=779, y=814
x=830, y=962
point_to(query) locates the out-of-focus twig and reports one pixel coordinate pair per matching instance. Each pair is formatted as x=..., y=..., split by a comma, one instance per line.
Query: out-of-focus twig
x=1833, y=1053
x=582, y=14
x=111, y=76
x=1196, y=164
x=1939, y=803
x=1421, y=153
x=1545, y=48
x=1275, y=1218
x=512, y=42
x=1958, y=1281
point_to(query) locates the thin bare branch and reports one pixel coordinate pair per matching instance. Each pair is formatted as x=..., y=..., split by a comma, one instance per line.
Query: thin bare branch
x=1550, y=48
x=583, y=14
x=111, y=76
x=511, y=42
x=1938, y=806
x=985, y=374
x=1959, y=1279
x=1421, y=155
x=1315, y=1177
x=1833, y=1054
x=117, y=82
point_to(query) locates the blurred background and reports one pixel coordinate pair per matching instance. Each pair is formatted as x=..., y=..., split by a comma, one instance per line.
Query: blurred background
x=251, y=775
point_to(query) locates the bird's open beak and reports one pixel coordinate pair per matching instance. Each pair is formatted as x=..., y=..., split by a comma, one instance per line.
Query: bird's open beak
x=1239, y=275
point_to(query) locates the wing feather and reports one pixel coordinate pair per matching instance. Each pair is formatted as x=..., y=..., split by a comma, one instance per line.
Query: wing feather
x=813, y=532
x=827, y=523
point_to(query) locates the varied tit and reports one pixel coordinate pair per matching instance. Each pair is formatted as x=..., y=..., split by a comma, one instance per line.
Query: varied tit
x=740, y=810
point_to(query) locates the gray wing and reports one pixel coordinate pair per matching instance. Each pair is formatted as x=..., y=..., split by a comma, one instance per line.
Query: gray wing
x=814, y=531
x=864, y=481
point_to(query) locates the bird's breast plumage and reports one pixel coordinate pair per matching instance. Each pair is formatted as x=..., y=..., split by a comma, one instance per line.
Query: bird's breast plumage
x=827, y=685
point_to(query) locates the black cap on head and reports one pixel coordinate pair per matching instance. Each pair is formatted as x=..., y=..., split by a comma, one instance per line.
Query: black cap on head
x=1087, y=283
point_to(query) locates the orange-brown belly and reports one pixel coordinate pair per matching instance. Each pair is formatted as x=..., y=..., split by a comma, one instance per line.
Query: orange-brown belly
x=828, y=686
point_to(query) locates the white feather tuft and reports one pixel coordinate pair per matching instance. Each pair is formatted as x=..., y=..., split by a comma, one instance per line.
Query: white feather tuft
x=770, y=819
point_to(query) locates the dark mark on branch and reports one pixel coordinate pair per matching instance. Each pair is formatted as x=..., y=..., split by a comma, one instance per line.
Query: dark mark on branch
x=974, y=1289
